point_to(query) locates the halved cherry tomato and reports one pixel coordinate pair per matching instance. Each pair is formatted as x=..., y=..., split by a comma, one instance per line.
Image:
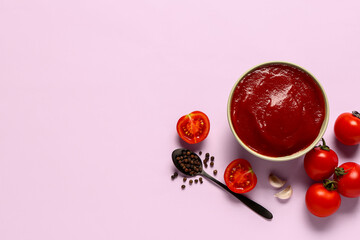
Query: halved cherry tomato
x=239, y=176
x=348, y=177
x=347, y=128
x=193, y=127
x=322, y=199
x=320, y=162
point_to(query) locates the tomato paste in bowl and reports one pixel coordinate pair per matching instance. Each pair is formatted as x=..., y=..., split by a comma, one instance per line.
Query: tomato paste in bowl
x=278, y=111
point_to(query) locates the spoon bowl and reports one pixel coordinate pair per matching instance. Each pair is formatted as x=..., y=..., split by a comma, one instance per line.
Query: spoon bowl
x=179, y=162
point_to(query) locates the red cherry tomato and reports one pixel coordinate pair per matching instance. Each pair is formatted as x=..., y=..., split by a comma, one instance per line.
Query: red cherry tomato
x=322, y=202
x=348, y=177
x=320, y=162
x=347, y=128
x=193, y=127
x=239, y=176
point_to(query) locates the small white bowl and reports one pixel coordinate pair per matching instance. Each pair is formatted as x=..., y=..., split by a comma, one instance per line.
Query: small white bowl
x=296, y=154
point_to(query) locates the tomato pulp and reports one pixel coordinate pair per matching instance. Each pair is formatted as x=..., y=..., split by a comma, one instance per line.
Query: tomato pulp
x=239, y=176
x=194, y=127
x=277, y=109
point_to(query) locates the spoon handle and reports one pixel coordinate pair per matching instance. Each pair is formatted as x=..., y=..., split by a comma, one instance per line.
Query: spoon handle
x=248, y=202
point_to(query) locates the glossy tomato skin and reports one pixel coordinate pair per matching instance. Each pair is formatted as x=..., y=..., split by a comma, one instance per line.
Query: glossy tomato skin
x=320, y=164
x=349, y=184
x=194, y=127
x=322, y=202
x=239, y=176
x=347, y=128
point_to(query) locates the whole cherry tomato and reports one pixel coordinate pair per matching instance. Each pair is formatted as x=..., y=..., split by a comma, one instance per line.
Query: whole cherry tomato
x=347, y=128
x=322, y=199
x=348, y=177
x=239, y=176
x=320, y=162
x=193, y=127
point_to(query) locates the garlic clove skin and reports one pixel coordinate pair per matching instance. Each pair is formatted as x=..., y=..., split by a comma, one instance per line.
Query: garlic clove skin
x=275, y=181
x=285, y=193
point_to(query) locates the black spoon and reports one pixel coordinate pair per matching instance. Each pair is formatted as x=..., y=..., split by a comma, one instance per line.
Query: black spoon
x=195, y=168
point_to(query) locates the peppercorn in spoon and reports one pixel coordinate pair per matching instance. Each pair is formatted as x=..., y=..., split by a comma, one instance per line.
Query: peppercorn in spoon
x=189, y=163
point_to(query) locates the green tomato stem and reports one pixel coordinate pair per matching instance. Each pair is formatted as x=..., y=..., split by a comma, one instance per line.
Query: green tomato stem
x=356, y=114
x=339, y=171
x=330, y=184
x=324, y=146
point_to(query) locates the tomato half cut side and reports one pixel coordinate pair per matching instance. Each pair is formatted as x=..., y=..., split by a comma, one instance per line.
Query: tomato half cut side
x=239, y=176
x=194, y=127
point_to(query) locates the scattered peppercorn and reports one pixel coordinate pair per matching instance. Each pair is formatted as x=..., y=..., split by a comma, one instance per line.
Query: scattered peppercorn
x=196, y=181
x=174, y=175
x=191, y=182
x=200, y=153
x=212, y=158
x=207, y=155
x=201, y=180
x=184, y=179
x=211, y=164
x=182, y=186
x=215, y=172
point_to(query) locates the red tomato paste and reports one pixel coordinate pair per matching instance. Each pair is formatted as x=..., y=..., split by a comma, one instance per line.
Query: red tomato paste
x=277, y=110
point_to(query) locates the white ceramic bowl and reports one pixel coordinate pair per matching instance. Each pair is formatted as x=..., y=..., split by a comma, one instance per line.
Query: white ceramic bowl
x=296, y=154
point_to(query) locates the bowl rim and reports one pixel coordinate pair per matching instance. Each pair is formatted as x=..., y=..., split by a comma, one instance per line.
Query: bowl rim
x=296, y=154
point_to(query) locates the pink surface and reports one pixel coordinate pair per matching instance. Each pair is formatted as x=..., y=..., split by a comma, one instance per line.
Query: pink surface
x=90, y=93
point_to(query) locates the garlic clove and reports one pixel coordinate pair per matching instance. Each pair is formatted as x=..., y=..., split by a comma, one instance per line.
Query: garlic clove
x=285, y=193
x=275, y=181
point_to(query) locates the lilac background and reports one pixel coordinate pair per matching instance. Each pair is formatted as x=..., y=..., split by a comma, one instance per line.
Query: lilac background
x=90, y=93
